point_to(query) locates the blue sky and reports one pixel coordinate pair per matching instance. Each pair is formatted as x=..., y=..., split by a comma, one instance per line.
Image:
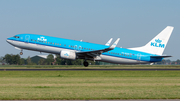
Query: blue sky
x=136, y=22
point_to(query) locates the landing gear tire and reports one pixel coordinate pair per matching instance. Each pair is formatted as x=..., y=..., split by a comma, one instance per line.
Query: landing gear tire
x=86, y=63
x=21, y=53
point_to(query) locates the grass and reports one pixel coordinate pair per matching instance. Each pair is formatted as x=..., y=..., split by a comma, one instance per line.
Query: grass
x=90, y=67
x=60, y=85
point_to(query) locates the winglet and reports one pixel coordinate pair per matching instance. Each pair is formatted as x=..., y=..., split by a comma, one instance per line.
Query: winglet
x=114, y=44
x=109, y=42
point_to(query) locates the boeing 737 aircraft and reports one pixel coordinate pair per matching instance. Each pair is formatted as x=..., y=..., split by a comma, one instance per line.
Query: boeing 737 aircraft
x=71, y=49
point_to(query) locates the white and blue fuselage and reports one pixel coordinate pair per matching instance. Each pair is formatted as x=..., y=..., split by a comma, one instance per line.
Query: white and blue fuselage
x=84, y=50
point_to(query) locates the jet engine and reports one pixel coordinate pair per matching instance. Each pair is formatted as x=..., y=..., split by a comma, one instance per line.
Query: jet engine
x=68, y=55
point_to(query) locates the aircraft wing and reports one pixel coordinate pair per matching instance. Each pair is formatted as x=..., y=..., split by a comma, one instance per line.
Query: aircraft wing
x=92, y=54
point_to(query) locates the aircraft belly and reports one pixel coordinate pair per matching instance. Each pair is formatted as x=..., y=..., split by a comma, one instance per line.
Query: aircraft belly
x=28, y=46
x=35, y=47
x=14, y=43
x=49, y=49
x=118, y=60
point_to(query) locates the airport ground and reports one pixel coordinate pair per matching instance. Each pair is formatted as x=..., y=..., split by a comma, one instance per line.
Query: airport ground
x=89, y=84
x=90, y=67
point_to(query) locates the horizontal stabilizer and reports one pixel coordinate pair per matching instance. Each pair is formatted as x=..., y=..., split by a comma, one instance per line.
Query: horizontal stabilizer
x=160, y=56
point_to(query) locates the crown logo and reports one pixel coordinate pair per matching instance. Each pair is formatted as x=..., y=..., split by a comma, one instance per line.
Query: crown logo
x=158, y=41
x=66, y=54
x=42, y=39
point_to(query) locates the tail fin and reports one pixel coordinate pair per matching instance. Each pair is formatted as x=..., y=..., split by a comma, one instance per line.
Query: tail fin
x=158, y=43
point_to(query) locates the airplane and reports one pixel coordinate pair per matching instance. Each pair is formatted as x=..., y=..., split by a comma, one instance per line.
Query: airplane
x=72, y=49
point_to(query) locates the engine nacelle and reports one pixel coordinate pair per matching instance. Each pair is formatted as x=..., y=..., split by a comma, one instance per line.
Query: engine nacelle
x=68, y=55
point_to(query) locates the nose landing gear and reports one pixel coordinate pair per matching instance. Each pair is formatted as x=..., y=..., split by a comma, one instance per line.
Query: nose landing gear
x=21, y=53
x=86, y=63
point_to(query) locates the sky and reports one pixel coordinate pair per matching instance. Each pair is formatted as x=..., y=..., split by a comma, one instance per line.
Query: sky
x=135, y=22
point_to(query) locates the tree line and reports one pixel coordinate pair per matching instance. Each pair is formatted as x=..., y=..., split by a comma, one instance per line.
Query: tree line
x=50, y=60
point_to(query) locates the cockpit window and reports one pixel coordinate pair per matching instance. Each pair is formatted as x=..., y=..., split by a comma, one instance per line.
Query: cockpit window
x=16, y=36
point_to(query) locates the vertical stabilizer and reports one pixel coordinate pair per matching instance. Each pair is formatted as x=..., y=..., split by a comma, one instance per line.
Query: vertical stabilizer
x=158, y=43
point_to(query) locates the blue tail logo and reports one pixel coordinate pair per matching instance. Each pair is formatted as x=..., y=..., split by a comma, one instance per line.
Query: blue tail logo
x=157, y=43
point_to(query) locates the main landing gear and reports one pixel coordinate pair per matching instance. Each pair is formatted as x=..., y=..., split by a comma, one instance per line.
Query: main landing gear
x=85, y=63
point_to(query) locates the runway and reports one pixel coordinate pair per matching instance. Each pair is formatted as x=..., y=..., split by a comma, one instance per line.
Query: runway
x=103, y=100
x=89, y=69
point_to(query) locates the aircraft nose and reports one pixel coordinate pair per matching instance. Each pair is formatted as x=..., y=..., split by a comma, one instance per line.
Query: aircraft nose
x=8, y=41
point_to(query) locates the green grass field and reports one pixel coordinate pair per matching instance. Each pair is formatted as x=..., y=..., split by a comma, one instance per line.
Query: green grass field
x=90, y=67
x=47, y=85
